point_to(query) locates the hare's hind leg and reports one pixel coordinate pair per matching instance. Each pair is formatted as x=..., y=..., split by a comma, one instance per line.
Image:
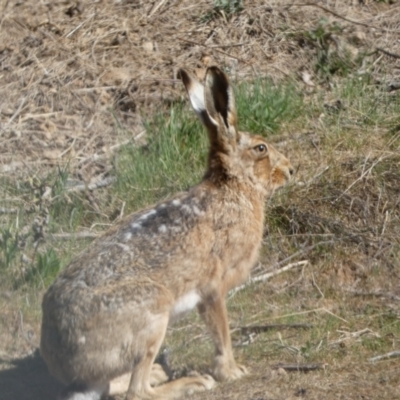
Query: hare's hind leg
x=150, y=342
x=140, y=383
x=183, y=387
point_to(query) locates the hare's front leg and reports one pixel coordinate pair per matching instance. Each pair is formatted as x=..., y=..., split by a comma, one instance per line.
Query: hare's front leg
x=215, y=316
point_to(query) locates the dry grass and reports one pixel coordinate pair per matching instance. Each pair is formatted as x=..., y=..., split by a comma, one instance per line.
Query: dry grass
x=77, y=81
x=72, y=75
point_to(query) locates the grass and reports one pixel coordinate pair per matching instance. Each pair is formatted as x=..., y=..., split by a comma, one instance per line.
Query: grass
x=264, y=107
x=224, y=8
x=173, y=159
x=342, y=215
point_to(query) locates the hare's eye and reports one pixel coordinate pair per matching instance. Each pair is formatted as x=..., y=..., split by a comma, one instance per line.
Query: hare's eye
x=261, y=148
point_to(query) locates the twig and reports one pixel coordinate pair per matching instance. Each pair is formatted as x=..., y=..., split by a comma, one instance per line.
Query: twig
x=334, y=315
x=384, y=356
x=67, y=150
x=156, y=7
x=299, y=367
x=17, y=112
x=309, y=312
x=79, y=26
x=77, y=235
x=121, y=213
x=353, y=335
x=264, y=277
x=374, y=294
x=216, y=46
x=93, y=88
x=317, y=175
x=268, y=327
x=316, y=285
x=101, y=183
x=343, y=18
x=388, y=53
x=368, y=171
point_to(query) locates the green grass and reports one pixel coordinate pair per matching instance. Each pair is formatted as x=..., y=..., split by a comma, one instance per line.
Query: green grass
x=224, y=8
x=264, y=107
x=173, y=160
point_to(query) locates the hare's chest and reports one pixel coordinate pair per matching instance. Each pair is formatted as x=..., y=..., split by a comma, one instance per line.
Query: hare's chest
x=185, y=304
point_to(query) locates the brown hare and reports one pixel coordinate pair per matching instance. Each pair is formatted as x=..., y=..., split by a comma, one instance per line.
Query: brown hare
x=106, y=314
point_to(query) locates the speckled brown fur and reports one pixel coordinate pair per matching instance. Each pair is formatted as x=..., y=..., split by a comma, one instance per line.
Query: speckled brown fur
x=107, y=312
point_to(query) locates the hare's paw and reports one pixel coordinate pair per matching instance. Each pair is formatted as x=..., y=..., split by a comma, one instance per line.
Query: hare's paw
x=198, y=383
x=229, y=371
x=121, y=384
x=181, y=388
x=157, y=375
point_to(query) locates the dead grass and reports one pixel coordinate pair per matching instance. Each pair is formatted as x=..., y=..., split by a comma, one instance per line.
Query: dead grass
x=73, y=75
x=77, y=82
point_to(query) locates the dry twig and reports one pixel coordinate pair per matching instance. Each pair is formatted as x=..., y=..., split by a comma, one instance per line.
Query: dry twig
x=392, y=354
x=374, y=294
x=353, y=335
x=264, y=277
x=92, y=186
x=77, y=235
x=156, y=7
x=299, y=367
x=268, y=327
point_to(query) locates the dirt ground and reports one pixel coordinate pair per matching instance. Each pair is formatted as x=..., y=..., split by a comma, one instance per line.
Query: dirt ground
x=76, y=79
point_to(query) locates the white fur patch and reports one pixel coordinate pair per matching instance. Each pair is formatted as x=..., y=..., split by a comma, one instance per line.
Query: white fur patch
x=148, y=214
x=82, y=340
x=176, y=202
x=197, y=211
x=185, y=208
x=93, y=393
x=162, y=229
x=196, y=95
x=186, y=303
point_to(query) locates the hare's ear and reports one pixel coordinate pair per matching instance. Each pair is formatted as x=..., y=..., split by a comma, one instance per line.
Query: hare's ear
x=220, y=106
x=215, y=106
x=196, y=95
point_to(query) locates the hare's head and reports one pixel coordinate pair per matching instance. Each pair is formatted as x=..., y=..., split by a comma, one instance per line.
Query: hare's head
x=233, y=155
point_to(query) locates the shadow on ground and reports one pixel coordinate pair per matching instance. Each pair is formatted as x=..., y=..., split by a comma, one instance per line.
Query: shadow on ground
x=27, y=379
